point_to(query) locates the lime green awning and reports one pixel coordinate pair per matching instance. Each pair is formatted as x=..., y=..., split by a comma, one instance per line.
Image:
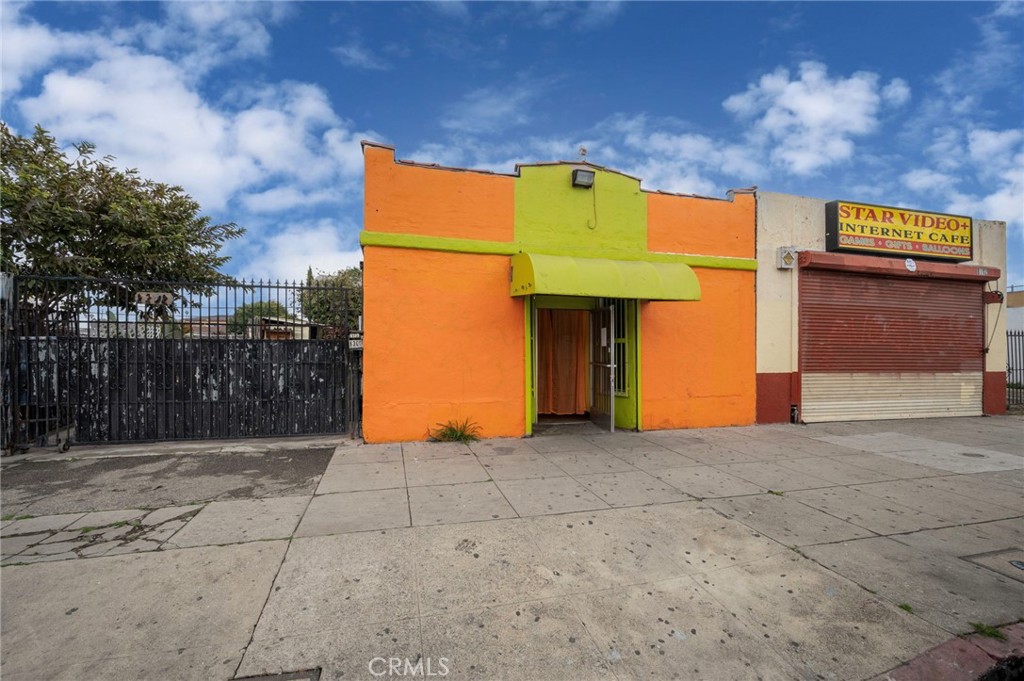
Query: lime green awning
x=601, y=278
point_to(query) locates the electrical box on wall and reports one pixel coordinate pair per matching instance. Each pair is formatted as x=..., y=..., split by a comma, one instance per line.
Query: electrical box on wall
x=785, y=257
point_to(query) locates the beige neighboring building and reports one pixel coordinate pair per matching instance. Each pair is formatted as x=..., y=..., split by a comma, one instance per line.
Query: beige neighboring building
x=1015, y=311
x=875, y=312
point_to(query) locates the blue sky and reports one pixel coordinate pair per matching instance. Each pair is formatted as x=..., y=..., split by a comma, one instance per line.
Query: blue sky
x=257, y=109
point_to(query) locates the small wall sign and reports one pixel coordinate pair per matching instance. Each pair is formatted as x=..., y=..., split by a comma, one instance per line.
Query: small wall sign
x=910, y=264
x=786, y=257
x=885, y=230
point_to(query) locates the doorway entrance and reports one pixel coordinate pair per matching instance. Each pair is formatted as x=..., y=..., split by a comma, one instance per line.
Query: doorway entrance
x=584, y=361
x=563, y=358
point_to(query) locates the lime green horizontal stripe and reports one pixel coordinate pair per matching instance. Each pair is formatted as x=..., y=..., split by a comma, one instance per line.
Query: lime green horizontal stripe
x=436, y=243
x=709, y=261
x=449, y=245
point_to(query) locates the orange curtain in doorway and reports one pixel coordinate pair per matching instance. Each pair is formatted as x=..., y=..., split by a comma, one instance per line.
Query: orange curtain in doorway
x=562, y=358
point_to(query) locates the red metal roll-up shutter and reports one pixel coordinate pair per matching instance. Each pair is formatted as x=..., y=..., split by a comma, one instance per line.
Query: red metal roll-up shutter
x=876, y=347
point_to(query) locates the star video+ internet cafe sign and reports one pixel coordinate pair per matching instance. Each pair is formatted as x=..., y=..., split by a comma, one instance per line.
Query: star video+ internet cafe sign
x=883, y=230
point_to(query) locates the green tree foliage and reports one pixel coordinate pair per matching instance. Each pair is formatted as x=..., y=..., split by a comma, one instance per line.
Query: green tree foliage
x=81, y=216
x=333, y=300
x=249, y=315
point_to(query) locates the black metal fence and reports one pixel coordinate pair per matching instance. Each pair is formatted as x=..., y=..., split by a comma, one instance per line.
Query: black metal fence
x=91, y=360
x=1014, y=368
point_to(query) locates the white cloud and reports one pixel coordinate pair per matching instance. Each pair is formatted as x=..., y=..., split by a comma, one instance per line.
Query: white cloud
x=580, y=16
x=786, y=21
x=281, y=133
x=810, y=122
x=946, y=149
x=491, y=109
x=674, y=161
x=138, y=108
x=544, y=14
x=451, y=9
x=447, y=155
x=993, y=149
x=1005, y=203
x=28, y=47
x=701, y=151
x=496, y=156
x=997, y=158
x=237, y=24
x=266, y=148
x=658, y=152
x=289, y=252
x=358, y=56
x=986, y=65
x=658, y=175
x=594, y=15
x=143, y=110
x=344, y=146
x=980, y=170
x=976, y=169
x=983, y=72
x=926, y=180
x=896, y=92
x=201, y=36
x=278, y=199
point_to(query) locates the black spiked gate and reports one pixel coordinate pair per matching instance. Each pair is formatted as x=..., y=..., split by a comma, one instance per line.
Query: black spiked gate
x=101, y=360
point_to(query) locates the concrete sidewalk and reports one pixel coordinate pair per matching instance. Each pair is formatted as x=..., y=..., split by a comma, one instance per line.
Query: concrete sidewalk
x=835, y=551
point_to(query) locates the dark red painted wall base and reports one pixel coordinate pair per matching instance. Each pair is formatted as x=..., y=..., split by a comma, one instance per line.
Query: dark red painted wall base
x=993, y=393
x=774, y=397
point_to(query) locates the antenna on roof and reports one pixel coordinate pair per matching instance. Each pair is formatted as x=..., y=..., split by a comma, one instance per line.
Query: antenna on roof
x=583, y=153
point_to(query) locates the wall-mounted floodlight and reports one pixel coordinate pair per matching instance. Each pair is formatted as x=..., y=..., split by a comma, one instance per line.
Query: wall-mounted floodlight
x=583, y=178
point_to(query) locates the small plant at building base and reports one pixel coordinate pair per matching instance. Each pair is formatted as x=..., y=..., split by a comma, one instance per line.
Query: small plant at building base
x=456, y=431
x=906, y=607
x=987, y=630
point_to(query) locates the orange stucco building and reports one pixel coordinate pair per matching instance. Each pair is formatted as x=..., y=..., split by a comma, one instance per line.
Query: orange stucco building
x=563, y=290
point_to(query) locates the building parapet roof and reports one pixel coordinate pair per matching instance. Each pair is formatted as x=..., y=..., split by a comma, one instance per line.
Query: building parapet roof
x=576, y=164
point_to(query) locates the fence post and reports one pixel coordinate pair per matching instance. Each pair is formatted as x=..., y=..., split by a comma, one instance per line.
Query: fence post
x=8, y=383
x=1014, y=368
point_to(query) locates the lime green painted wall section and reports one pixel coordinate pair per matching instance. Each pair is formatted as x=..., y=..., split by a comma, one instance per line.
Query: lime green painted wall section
x=553, y=217
x=530, y=387
x=638, y=347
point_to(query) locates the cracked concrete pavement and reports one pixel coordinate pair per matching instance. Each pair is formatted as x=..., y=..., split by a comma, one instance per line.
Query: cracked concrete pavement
x=837, y=551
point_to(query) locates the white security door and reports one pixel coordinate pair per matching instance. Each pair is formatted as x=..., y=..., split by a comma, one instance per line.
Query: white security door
x=602, y=367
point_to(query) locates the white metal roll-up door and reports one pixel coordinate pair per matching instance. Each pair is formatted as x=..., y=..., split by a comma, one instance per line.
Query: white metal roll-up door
x=875, y=347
